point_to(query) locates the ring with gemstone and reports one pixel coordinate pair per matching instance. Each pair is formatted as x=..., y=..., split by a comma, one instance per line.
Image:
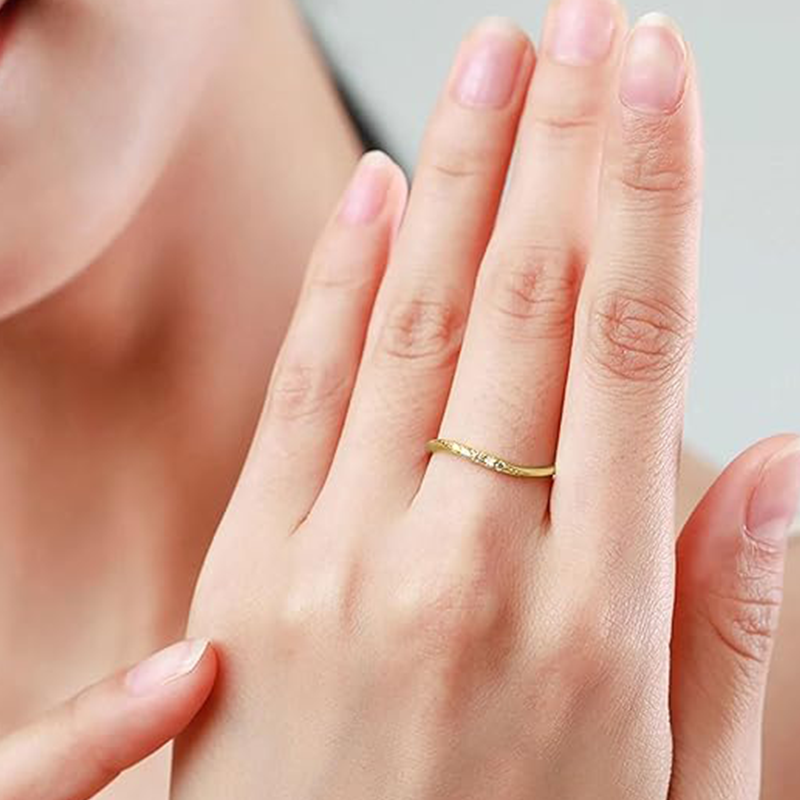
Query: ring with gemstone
x=488, y=460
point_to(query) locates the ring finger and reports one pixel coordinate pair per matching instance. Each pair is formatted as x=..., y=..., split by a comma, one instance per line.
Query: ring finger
x=508, y=390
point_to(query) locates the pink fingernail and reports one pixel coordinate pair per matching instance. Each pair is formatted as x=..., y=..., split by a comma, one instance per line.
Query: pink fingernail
x=580, y=32
x=654, y=68
x=775, y=502
x=166, y=666
x=487, y=73
x=366, y=195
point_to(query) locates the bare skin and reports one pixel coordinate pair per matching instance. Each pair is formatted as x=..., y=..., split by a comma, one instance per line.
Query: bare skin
x=781, y=778
x=782, y=730
x=153, y=365
x=128, y=399
x=167, y=355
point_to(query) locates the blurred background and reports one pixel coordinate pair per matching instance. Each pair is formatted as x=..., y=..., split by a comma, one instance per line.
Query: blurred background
x=391, y=58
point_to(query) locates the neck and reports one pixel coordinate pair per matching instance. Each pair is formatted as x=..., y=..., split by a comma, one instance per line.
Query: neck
x=128, y=399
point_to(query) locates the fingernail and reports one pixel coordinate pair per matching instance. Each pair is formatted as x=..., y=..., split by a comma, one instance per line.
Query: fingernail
x=654, y=66
x=776, y=500
x=487, y=73
x=165, y=667
x=366, y=195
x=580, y=32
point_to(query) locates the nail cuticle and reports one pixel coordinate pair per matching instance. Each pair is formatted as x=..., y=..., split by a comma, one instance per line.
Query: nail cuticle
x=775, y=500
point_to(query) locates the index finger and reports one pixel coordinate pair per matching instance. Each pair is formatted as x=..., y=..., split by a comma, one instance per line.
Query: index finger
x=80, y=747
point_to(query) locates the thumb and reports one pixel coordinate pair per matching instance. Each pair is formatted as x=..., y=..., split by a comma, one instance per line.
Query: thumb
x=729, y=589
x=80, y=747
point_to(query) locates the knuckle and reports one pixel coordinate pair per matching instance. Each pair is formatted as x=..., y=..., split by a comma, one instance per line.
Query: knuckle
x=745, y=611
x=584, y=666
x=423, y=330
x=533, y=290
x=594, y=640
x=445, y=615
x=338, y=267
x=654, y=171
x=567, y=109
x=454, y=160
x=322, y=604
x=577, y=650
x=330, y=274
x=302, y=389
x=566, y=123
x=449, y=164
x=638, y=338
x=746, y=626
x=453, y=165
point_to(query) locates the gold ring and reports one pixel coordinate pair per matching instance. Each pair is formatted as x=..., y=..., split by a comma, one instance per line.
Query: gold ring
x=488, y=460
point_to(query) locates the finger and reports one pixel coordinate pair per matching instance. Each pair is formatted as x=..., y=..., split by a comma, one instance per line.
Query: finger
x=508, y=390
x=780, y=771
x=315, y=371
x=730, y=574
x=415, y=334
x=623, y=416
x=80, y=747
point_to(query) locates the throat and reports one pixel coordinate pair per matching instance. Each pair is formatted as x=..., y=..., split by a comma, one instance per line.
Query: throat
x=99, y=551
x=128, y=400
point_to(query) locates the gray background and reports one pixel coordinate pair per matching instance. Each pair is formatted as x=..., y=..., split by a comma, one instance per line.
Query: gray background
x=393, y=56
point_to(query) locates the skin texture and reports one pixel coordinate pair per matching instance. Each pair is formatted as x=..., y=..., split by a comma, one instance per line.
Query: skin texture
x=84, y=744
x=129, y=397
x=401, y=604
x=782, y=728
x=140, y=61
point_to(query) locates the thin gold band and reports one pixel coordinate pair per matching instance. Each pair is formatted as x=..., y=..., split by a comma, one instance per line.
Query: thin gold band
x=488, y=460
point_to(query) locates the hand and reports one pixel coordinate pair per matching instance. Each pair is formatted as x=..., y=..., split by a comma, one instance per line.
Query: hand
x=79, y=748
x=398, y=627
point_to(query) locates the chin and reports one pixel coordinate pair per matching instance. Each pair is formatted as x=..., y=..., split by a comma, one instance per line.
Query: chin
x=31, y=275
x=19, y=289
